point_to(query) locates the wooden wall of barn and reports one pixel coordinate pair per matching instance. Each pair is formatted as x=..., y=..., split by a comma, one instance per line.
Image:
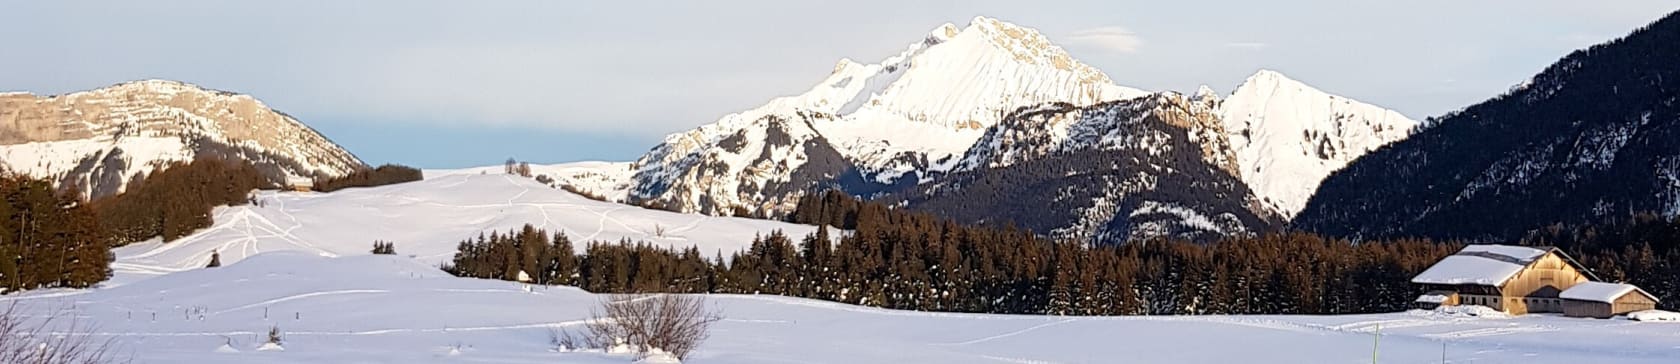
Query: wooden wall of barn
x=1577, y=308
x=1536, y=288
x=1633, y=301
x=1630, y=302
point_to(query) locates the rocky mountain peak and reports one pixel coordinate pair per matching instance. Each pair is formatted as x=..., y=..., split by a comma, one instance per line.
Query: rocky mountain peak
x=1288, y=136
x=102, y=138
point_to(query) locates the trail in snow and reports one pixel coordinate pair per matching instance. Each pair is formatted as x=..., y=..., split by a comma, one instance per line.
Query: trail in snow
x=299, y=297
x=1011, y=333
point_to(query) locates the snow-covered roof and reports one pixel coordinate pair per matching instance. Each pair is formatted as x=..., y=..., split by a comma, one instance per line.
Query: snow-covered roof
x=1432, y=298
x=1489, y=265
x=1600, y=292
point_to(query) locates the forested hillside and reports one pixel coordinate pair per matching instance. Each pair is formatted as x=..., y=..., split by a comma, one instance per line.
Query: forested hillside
x=903, y=260
x=48, y=239
x=1590, y=138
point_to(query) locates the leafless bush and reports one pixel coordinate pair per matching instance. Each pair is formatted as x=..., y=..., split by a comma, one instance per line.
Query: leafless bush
x=675, y=324
x=27, y=341
x=584, y=193
x=274, y=335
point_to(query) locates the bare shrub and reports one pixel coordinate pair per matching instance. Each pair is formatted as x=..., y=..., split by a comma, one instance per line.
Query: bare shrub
x=584, y=193
x=26, y=341
x=675, y=324
x=274, y=336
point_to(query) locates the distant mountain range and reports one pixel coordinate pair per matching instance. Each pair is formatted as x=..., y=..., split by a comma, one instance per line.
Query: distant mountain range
x=992, y=122
x=988, y=123
x=103, y=139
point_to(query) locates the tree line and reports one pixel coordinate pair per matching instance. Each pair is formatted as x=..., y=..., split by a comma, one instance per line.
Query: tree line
x=904, y=260
x=383, y=175
x=49, y=238
x=176, y=199
x=54, y=237
x=1642, y=249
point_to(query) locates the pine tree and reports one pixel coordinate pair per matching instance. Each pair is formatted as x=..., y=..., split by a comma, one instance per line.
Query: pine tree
x=384, y=247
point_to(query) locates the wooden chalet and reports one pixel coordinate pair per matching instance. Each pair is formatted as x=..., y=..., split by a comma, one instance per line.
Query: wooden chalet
x=299, y=184
x=1520, y=280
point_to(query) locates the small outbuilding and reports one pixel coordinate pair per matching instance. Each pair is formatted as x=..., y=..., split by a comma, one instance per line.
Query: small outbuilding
x=1605, y=300
x=1433, y=299
x=299, y=184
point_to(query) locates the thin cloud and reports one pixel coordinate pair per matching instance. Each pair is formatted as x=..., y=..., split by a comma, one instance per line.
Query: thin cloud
x=1252, y=46
x=1111, y=38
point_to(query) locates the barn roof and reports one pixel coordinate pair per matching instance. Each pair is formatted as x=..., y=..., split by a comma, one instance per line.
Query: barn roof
x=1488, y=265
x=1601, y=292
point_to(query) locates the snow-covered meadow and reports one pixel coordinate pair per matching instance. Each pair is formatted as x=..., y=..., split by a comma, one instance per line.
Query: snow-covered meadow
x=300, y=262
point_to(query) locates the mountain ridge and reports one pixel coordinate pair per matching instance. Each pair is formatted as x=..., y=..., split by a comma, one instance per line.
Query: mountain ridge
x=1586, y=139
x=102, y=139
x=931, y=112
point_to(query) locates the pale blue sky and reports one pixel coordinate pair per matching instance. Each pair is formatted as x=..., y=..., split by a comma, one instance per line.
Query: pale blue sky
x=449, y=84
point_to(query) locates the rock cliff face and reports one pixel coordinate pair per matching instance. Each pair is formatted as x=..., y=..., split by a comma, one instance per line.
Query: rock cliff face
x=102, y=139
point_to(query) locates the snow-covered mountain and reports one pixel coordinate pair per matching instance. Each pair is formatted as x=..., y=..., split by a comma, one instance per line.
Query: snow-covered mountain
x=1288, y=136
x=1138, y=168
x=102, y=139
x=907, y=115
x=938, y=110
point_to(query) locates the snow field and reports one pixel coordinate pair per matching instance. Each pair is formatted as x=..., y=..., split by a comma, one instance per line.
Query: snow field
x=300, y=262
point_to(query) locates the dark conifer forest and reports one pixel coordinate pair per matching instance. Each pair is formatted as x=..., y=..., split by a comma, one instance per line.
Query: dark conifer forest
x=49, y=239
x=59, y=239
x=52, y=237
x=176, y=200
x=915, y=261
x=1643, y=250
x=1589, y=139
x=383, y=175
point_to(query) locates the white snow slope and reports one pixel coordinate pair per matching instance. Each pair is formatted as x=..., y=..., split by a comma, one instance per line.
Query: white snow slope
x=606, y=180
x=391, y=309
x=426, y=219
x=1289, y=136
x=300, y=263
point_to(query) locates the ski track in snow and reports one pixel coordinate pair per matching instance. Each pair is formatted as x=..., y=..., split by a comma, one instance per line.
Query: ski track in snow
x=1019, y=360
x=1011, y=333
x=1491, y=331
x=301, y=296
x=339, y=333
